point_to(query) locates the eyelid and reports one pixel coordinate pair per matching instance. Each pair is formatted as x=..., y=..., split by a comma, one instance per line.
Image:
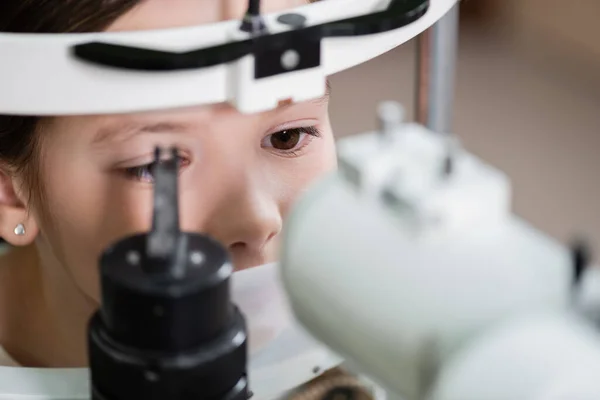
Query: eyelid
x=296, y=124
x=149, y=159
x=310, y=133
x=130, y=172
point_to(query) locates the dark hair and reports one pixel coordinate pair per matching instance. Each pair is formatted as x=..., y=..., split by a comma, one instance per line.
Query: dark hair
x=18, y=138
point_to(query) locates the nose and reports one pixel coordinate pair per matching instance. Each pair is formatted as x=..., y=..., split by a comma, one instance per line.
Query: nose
x=254, y=233
x=247, y=222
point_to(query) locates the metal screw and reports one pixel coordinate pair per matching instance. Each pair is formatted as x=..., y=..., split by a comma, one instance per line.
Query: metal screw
x=290, y=59
x=197, y=258
x=293, y=20
x=238, y=338
x=133, y=257
x=151, y=376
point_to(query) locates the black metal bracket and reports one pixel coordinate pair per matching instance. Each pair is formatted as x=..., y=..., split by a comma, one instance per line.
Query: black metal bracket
x=277, y=53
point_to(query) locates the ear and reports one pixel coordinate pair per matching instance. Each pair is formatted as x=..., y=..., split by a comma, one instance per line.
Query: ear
x=14, y=212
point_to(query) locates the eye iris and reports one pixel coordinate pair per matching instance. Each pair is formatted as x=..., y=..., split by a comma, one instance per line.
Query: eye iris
x=285, y=140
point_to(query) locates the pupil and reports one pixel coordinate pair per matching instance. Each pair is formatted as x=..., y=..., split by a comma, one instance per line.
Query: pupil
x=285, y=140
x=285, y=136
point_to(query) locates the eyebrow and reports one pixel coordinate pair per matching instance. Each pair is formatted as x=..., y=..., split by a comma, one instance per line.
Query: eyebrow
x=126, y=129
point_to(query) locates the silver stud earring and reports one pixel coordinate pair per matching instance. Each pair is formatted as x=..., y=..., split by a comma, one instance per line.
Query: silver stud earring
x=20, y=230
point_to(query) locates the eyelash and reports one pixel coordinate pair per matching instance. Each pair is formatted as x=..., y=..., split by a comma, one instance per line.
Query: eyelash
x=311, y=131
x=137, y=173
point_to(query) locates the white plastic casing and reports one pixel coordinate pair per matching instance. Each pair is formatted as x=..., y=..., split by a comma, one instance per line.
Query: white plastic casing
x=250, y=95
x=541, y=357
x=397, y=287
x=406, y=168
x=39, y=75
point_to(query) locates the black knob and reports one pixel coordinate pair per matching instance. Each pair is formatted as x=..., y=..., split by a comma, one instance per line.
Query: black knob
x=167, y=328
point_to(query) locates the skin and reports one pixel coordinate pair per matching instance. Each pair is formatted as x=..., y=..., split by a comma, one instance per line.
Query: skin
x=238, y=181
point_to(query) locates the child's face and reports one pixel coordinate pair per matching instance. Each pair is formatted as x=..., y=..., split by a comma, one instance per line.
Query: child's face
x=239, y=177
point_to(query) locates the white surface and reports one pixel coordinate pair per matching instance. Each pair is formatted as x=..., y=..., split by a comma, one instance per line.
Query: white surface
x=399, y=300
x=6, y=360
x=542, y=357
x=289, y=362
x=408, y=165
x=17, y=383
x=588, y=297
x=38, y=76
x=282, y=355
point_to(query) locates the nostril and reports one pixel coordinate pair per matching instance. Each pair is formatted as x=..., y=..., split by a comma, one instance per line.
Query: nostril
x=253, y=245
x=238, y=246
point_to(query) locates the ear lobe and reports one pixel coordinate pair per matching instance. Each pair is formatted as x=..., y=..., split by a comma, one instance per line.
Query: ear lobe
x=17, y=225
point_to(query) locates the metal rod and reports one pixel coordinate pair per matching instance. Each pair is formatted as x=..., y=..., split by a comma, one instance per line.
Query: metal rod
x=436, y=67
x=162, y=240
x=253, y=7
x=253, y=22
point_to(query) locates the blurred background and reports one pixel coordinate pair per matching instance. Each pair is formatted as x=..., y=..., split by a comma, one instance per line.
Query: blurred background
x=527, y=102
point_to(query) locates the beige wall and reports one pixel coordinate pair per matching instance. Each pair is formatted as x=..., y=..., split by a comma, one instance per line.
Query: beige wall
x=561, y=33
x=538, y=125
x=568, y=21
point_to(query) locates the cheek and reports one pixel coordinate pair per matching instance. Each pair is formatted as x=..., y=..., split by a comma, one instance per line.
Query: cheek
x=86, y=210
x=306, y=170
x=89, y=204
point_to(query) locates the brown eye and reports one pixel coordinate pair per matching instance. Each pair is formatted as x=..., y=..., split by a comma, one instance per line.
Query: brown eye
x=286, y=140
x=290, y=142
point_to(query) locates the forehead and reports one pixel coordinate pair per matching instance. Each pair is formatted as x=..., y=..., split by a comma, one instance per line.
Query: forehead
x=162, y=14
